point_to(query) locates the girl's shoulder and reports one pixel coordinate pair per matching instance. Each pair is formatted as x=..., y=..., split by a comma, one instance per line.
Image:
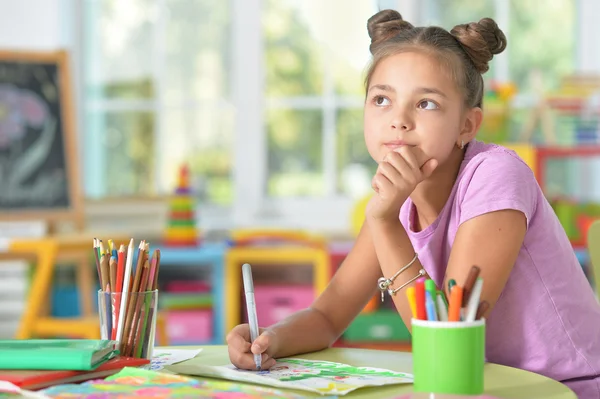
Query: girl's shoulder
x=493, y=160
x=495, y=178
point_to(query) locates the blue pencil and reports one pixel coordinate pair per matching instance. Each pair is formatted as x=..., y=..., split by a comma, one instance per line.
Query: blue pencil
x=430, y=307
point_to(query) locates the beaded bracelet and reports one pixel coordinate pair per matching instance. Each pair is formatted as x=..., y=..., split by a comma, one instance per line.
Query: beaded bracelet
x=384, y=283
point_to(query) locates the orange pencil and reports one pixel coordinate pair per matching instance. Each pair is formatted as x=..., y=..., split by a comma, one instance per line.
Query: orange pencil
x=455, y=303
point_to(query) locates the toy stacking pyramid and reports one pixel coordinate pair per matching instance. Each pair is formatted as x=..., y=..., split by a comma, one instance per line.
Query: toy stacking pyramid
x=181, y=230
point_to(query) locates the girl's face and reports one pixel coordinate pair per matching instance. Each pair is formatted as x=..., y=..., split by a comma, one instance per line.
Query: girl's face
x=412, y=101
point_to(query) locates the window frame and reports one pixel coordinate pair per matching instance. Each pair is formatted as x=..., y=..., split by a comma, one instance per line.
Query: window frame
x=251, y=206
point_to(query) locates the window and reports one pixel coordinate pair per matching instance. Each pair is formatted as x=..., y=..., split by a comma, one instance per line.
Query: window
x=156, y=95
x=314, y=61
x=264, y=98
x=312, y=162
x=546, y=35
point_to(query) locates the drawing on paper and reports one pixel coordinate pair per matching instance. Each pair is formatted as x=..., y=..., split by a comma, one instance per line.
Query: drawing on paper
x=326, y=378
x=133, y=382
x=165, y=357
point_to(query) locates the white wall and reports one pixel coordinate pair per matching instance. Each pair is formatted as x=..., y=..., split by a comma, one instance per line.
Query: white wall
x=588, y=56
x=31, y=24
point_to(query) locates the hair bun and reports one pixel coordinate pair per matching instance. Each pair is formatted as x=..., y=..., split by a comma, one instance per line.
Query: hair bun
x=384, y=25
x=481, y=40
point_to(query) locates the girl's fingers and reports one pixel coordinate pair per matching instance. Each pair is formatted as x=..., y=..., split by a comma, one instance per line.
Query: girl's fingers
x=380, y=182
x=407, y=153
x=407, y=175
x=268, y=364
x=391, y=172
x=420, y=157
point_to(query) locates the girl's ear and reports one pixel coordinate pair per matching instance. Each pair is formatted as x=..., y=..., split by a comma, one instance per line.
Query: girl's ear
x=471, y=125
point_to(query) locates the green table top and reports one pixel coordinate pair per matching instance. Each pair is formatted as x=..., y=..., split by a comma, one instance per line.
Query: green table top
x=500, y=381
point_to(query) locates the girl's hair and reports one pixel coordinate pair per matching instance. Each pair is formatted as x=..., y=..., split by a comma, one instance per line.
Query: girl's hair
x=465, y=51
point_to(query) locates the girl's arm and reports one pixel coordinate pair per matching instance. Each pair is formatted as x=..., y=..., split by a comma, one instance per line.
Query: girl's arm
x=491, y=241
x=317, y=327
x=394, y=250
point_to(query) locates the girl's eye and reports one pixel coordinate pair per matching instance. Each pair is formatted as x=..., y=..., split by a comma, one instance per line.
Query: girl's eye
x=381, y=101
x=426, y=104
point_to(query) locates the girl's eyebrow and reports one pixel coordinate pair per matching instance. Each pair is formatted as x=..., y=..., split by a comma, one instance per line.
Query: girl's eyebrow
x=383, y=87
x=430, y=90
x=419, y=90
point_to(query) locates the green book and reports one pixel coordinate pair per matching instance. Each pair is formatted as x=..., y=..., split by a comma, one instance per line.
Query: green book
x=55, y=354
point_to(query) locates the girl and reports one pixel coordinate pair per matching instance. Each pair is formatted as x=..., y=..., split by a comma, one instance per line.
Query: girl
x=444, y=202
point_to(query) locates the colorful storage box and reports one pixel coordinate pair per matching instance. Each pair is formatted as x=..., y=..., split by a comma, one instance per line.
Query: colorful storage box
x=189, y=326
x=274, y=303
x=382, y=325
x=186, y=301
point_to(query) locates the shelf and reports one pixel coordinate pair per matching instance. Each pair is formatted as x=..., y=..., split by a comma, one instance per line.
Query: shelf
x=207, y=253
x=208, y=256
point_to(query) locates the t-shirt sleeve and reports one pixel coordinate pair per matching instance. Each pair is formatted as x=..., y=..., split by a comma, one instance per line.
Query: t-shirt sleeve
x=499, y=182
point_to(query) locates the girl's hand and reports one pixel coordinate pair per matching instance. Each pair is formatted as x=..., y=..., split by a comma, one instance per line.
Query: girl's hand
x=241, y=351
x=396, y=178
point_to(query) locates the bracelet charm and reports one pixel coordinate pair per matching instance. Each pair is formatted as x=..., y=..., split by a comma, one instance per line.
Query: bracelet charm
x=384, y=283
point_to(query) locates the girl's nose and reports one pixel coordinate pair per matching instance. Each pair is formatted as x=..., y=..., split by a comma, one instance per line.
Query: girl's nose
x=402, y=120
x=402, y=123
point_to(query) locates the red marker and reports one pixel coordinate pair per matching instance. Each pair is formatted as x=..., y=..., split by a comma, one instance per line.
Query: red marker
x=420, y=297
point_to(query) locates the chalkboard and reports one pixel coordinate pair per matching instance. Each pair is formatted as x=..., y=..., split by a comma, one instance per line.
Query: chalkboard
x=38, y=176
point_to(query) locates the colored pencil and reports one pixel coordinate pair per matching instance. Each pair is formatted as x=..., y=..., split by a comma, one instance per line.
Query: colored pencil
x=135, y=316
x=128, y=301
x=133, y=297
x=96, y=257
x=125, y=291
x=145, y=309
x=104, y=271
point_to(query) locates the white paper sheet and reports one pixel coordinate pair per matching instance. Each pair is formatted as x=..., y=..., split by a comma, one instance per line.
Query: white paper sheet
x=166, y=357
x=325, y=378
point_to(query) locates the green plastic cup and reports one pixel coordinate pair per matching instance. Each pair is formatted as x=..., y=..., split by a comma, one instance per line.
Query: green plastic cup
x=448, y=357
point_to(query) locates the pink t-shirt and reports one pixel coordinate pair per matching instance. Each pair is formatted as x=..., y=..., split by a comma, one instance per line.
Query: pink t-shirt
x=547, y=319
